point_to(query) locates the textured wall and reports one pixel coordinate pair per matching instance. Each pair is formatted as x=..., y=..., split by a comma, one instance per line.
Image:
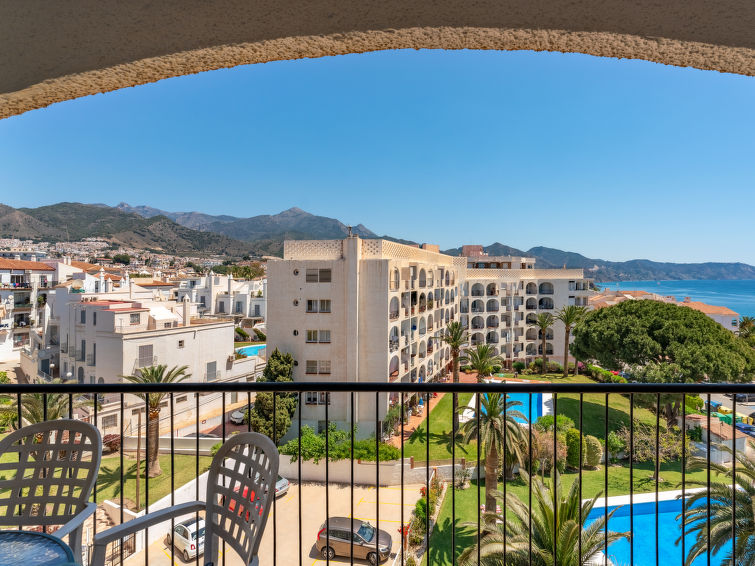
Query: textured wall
x=54, y=51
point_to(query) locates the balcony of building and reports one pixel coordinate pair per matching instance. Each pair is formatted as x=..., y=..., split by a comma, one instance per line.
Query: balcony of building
x=491, y=290
x=492, y=305
x=478, y=306
x=531, y=288
x=478, y=290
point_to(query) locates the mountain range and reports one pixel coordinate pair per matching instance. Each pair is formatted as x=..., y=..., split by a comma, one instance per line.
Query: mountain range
x=197, y=233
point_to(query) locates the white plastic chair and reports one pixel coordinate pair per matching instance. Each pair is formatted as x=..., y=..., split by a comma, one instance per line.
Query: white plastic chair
x=240, y=487
x=50, y=480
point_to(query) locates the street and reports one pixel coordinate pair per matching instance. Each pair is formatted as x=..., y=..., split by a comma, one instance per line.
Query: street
x=313, y=516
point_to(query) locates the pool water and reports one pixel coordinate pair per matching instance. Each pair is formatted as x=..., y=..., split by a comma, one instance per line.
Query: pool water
x=669, y=530
x=532, y=413
x=252, y=350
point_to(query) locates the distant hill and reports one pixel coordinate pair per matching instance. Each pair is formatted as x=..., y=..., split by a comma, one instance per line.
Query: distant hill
x=633, y=270
x=75, y=221
x=195, y=220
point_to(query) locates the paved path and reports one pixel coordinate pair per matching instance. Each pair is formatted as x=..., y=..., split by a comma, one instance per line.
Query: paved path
x=312, y=517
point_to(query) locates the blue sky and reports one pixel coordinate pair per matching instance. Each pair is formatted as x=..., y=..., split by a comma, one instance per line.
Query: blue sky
x=614, y=159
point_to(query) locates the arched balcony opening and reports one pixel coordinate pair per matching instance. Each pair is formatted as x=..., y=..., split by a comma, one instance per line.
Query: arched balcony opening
x=393, y=339
x=430, y=277
x=548, y=334
x=422, y=326
x=393, y=368
x=478, y=323
x=393, y=309
x=546, y=288
x=494, y=350
x=545, y=303
x=422, y=374
x=478, y=290
x=395, y=280
x=465, y=290
x=453, y=278
x=492, y=337
x=531, y=304
x=430, y=367
x=531, y=288
x=531, y=349
x=448, y=297
x=422, y=278
x=422, y=349
x=492, y=290
x=447, y=316
x=477, y=338
x=492, y=305
x=448, y=278
x=464, y=320
x=422, y=302
x=531, y=318
x=492, y=321
x=531, y=334
x=430, y=322
x=478, y=306
x=464, y=306
x=548, y=349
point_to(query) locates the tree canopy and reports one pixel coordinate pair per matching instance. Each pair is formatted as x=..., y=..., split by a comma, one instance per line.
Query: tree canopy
x=279, y=368
x=662, y=342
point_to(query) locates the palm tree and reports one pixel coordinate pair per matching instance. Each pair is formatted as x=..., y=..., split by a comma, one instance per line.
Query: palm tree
x=569, y=315
x=747, y=326
x=146, y=376
x=455, y=336
x=33, y=408
x=544, y=321
x=564, y=532
x=494, y=434
x=721, y=498
x=482, y=358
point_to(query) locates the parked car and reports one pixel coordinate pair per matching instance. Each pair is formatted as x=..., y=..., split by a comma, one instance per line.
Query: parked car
x=341, y=531
x=745, y=397
x=184, y=538
x=237, y=417
x=281, y=486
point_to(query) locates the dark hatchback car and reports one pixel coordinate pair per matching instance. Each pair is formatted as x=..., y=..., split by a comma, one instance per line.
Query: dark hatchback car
x=342, y=531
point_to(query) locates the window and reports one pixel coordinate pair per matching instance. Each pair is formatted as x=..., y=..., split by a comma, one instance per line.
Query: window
x=324, y=398
x=134, y=318
x=94, y=318
x=180, y=343
x=167, y=325
x=212, y=373
x=310, y=398
x=83, y=315
x=318, y=276
x=221, y=306
x=145, y=355
x=311, y=366
x=311, y=335
x=324, y=305
x=324, y=367
x=110, y=421
x=312, y=305
x=181, y=399
x=324, y=336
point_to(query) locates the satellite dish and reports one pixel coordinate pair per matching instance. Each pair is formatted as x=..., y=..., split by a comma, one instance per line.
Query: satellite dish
x=77, y=284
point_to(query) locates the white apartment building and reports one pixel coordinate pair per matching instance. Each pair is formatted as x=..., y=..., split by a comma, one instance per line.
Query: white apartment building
x=358, y=310
x=222, y=295
x=24, y=287
x=499, y=305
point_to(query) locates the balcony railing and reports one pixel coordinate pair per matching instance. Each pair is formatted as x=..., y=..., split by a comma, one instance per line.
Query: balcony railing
x=91, y=360
x=382, y=491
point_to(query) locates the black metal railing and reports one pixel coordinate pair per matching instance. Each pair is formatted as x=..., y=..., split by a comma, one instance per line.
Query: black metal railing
x=613, y=404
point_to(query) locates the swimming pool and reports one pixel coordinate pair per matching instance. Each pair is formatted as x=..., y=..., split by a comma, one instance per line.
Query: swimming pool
x=531, y=414
x=252, y=350
x=669, y=530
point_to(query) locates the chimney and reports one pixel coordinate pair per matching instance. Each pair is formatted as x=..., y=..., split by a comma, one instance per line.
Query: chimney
x=230, y=281
x=186, y=313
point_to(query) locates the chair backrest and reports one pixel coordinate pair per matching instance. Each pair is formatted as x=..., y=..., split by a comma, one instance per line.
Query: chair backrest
x=47, y=472
x=240, y=490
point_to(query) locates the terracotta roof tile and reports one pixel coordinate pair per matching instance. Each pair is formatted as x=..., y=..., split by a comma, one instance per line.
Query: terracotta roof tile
x=22, y=264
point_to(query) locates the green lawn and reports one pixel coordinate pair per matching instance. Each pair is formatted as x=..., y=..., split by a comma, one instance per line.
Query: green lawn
x=440, y=434
x=108, y=481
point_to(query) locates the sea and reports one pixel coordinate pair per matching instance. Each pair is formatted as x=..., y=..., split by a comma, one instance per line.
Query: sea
x=737, y=294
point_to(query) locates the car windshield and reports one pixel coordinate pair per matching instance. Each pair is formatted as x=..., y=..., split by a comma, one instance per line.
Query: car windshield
x=366, y=531
x=194, y=534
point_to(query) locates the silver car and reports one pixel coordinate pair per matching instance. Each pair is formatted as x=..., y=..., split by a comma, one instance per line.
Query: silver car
x=188, y=538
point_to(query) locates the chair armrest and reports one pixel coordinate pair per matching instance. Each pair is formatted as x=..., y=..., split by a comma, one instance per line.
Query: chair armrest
x=76, y=522
x=149, y=519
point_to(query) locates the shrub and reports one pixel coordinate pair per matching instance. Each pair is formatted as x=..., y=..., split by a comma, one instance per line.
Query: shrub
x=4, y=377
x=518, y=366
x=339, y=447
x=545, y=423
x=695, y=404
x=542, y=452
x=112, y=442
x=573, y=438
x=555, y=367
x=497, y=368
x=260, y=335
x=241, y=332
x=696, y=434
x=594, y=452
x=410, y=561
x=614, y=445
x=215, y=448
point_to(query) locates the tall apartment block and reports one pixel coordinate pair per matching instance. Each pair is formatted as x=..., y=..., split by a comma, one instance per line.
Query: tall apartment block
x=361, y=310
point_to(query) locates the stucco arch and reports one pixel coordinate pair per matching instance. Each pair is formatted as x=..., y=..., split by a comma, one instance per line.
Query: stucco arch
x=54, y=51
